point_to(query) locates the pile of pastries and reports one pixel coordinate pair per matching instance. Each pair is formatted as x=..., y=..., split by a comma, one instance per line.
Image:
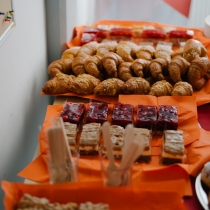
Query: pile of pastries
x=111, y=68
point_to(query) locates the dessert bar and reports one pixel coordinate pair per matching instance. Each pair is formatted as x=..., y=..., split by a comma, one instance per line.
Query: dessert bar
x=73, y=112
x=146, y=116
x=146, y=137
x=122, y=114
x=117, y=138
x=71, y=133
x=97, y=112
x=173, y=147
x=167, y=118
x=90, y=138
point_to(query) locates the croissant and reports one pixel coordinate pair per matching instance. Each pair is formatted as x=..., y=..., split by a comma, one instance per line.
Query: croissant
x=182, y=89
x=70, y=53
x=199, y=67
x=145, y=52
x=192, y=49
x=110, y=62
x=61, y=83
x=177, y=53
x=60, y=66
x=93, y=66
x=78, y=63
x=126, y=50
x=84, y=84
x=125, y=71
x=90, y=48
x=110, y=87
x=157, y=67
x=161, y=88
x=140, y=67
x=106, y=47
x=136, y=85
x=177, y=68
x=163, y=52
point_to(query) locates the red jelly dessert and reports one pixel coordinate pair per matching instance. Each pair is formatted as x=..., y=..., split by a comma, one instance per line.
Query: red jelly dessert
x=87, y=37
x=187, y=34
x=99, y=32
x=97, y=112
x=121, y=32
x=122, y=114
x=167, y=118
x=151, y=33
x=146, y=116
x=73, y=112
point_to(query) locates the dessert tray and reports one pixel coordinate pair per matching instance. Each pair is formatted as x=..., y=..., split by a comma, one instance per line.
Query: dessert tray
x=201, y=194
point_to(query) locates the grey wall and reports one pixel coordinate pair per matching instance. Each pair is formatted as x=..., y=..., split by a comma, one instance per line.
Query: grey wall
x=23, y=64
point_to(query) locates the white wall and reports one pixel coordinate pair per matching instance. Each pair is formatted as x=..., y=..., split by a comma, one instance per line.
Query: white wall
x=23, y=65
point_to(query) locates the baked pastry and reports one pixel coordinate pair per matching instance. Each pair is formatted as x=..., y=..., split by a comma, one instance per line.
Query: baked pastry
x=172, y=147
x=73, y=112
x=110, y=62
x=60, y=66
x=146, y=116
x=136, y=85
x=117, y=137
x=161, y=88
x=106, y=47
x=93, y=66
x=78, y=63
x=167, y=118
x=140, y=67
x=199, y=67
x=61, y=83
x=97, y=112
x=70, y=53
x=89, y=48
x=90, y=139
x=125, y=71
x=109, y=87
x=71, y=133
x=122, y=114
x=126, y=50
x=158, y=67
x=205, y=175
x=177, y=68
x=182, y=89
x=177, y=36
x=84, y=84
x=177, y=53
x=145, y=52
x=192, y=49
x=145, y=134
x=91, y=206
x=163, y=52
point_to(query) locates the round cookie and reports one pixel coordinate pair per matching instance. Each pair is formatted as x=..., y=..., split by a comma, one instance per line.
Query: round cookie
x=205, y=174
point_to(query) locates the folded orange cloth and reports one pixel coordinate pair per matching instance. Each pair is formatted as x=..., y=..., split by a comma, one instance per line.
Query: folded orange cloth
x=162, y=195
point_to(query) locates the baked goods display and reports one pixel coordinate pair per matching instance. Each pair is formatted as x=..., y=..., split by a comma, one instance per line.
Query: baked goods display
x=93, y=64
x=172, y=147
x=29, y=202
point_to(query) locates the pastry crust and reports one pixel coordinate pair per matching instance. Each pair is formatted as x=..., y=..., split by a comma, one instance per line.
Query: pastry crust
x=136, y=85
x=106, y=47
x=161, y=88
x=125, y=71
x=71, y=132
x=140, y=67
x=182, y=89
x=89, y=48
x=70, y=53
x=145, y=52
x=162, y=52
x=109, y=87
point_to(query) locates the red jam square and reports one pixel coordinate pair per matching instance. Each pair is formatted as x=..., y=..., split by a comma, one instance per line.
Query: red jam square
x=97, y=112
x=121, y=32
x=186, y=34
x=73, y=112
x=122, y=114
x=99, y=32
x=87, y=37
x=146, y=116
x=167, y=118
x=154, y=33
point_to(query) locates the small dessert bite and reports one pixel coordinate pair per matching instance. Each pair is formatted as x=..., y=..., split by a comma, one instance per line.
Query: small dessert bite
x=87, y=37
x=100, y=33
x=146, y=135
x=73, y=112
x=122, y=114
x=121, y=34
x=205, y=175
x=172, y=147
x=90, y=139
x=97, y=112
x=71, y=133
x=153, y=35
x=146, y=116
x=117, y=138
x=167, y=118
